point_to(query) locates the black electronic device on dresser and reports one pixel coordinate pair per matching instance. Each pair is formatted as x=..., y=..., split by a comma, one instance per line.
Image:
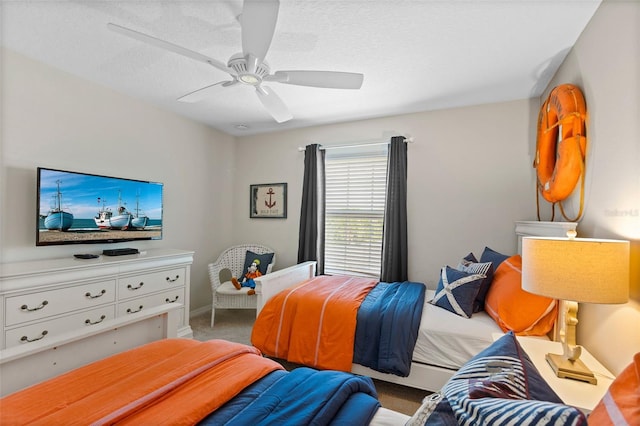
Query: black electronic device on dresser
x=86, y=256
x=120, y=251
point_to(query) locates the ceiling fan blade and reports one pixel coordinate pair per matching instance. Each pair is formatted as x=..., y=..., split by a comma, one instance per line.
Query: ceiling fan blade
x=168, y=46
x=200, y=94
x=326, y=79
x=273, y=104
x=259, y=19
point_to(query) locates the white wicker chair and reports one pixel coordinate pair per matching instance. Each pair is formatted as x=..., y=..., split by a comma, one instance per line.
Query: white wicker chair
x=225, y=295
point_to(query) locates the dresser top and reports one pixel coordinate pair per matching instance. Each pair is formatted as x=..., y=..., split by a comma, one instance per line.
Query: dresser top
x=35, y=267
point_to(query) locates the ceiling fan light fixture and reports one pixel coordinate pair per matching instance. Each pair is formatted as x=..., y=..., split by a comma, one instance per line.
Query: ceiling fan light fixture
x=249, y=79
x=248, y=69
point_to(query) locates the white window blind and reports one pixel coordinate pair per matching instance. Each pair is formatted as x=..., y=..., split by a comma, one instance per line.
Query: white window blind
x=354, y=211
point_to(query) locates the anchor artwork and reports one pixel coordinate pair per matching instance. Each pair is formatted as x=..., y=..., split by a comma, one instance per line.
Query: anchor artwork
x=268, y=201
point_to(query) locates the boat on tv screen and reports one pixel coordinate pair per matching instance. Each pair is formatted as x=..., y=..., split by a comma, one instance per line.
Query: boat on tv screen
x=85, y=208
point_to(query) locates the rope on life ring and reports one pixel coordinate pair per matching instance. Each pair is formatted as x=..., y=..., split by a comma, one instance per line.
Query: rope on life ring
x=561, y=147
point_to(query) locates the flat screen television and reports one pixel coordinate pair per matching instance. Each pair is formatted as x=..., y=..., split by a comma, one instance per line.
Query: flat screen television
x=83, y=208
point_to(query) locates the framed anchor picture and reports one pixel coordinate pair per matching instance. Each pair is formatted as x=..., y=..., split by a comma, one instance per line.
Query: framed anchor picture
x=268, y=201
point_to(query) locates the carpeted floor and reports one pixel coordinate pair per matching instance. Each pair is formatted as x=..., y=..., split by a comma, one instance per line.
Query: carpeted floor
x=235, y=325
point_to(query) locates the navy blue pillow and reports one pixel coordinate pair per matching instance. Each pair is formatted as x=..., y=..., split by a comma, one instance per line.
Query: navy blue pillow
x=489, y=255
x=470, y=258
x=457, y=291
x=507, y=347
x=500, y=385
x=265, y=260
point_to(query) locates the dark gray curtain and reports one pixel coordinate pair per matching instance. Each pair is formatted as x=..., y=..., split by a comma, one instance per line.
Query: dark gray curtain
x=311, y=237
x=394, y=237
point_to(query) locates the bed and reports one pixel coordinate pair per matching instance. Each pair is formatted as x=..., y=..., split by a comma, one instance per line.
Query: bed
x=445, y=340
x=80, y=378
x=432, y=365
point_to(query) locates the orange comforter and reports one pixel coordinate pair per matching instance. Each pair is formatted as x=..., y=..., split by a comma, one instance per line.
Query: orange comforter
x=176, y=381
x=314, y=322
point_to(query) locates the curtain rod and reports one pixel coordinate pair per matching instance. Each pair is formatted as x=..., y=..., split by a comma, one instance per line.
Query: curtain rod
x=406, y=140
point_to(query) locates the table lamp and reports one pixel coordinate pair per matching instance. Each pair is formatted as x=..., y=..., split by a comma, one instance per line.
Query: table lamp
x=575, y=270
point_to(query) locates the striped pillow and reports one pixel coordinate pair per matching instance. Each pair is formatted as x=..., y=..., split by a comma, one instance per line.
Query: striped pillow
x=497, y=411
x=485, y=269
x=501, y=386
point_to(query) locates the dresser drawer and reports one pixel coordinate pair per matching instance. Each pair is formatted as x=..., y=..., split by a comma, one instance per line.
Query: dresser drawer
x=49, y=329
x=35, y=306
x=139, y=285
x=137, y=305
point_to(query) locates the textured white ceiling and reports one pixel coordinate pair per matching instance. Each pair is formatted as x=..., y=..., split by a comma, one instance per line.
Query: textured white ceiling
x=415, y=55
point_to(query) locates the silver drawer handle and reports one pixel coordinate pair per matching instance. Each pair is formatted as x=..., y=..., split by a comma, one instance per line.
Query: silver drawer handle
x=26, y=339
x=89, y=322
x=37, y=308
x=88, y=294
x=130, y=287
x=169, y=280
x=171, y=301
x=130, y=311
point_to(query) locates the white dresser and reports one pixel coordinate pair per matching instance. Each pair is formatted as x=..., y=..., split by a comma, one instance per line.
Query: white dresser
x=44, y=298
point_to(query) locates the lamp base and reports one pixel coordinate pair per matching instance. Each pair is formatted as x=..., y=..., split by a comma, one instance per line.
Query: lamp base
x=568, y=369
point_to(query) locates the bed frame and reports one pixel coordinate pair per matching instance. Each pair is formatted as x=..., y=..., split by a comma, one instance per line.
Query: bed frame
x=22, y=366
x=422, y=376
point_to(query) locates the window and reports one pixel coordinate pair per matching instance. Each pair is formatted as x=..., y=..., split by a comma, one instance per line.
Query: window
x=354, y=209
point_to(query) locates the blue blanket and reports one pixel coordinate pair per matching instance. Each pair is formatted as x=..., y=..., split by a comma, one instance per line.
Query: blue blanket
x=387, y=327
x=301, y=397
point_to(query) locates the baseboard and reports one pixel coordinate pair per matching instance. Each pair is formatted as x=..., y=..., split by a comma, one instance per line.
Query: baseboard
x=199, y=311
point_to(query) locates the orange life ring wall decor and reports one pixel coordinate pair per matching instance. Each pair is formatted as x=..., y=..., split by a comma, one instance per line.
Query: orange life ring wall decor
x=561, y=147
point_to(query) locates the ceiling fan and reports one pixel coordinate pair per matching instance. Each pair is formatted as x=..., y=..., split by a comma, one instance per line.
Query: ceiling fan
x=258, y=22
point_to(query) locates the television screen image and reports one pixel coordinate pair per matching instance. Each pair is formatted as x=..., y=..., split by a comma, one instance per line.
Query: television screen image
x=82, y=208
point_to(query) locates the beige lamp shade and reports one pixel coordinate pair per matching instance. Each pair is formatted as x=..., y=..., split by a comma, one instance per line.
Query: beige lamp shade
x=580, y=269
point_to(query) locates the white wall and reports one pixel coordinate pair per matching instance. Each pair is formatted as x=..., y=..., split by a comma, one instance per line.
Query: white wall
x=605, y=63
x=469, y=180
x=53, y=119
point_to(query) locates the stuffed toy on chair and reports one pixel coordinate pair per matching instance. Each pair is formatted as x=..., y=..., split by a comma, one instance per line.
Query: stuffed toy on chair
x=248, y=279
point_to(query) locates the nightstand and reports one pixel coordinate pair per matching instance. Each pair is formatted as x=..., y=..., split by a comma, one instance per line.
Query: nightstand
x=582, y=395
